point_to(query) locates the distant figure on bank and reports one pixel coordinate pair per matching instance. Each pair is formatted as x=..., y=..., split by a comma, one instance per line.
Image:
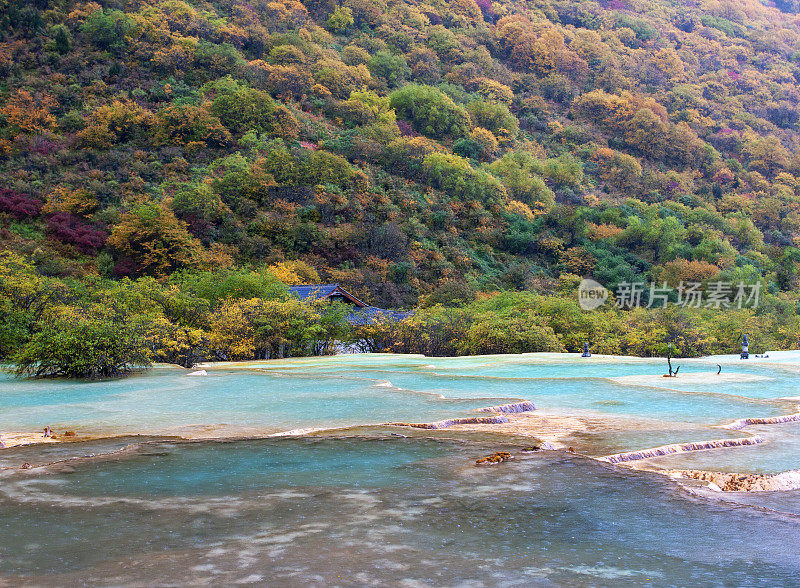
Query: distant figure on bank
x=745, y=354
x=48, y=432
x=586, y=352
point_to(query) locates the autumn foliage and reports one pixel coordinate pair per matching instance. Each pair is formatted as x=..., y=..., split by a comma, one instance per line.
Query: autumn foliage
x=393, y=147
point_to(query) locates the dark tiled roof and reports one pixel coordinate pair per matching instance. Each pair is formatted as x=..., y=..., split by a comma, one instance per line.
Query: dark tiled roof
x=313, y=291
x=319, y=291
x=362, y=315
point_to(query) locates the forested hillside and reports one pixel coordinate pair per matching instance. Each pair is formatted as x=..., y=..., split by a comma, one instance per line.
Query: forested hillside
x=408, y=150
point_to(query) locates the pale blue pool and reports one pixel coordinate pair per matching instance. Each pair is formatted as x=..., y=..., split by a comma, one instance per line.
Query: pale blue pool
x=375, y=512
x=361, y=507
x=356, y=390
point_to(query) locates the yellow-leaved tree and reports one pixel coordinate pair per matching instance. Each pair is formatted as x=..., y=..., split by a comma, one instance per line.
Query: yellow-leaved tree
x=295, y=272
x=150, y=240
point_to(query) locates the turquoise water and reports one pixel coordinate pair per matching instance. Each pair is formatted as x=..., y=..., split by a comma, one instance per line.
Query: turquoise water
x=44, y=454
x=356, y=390
x=166, y=400
x=637, y=406
x=780, y=452
x=374, y=512
x=374, y=509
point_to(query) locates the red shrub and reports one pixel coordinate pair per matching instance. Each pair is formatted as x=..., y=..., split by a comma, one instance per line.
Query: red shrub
x=198, y=226
x=70, y=229
x=44, y=146
x=406, y=129
x=19, y=205
x=485, y=6
x=125, y=266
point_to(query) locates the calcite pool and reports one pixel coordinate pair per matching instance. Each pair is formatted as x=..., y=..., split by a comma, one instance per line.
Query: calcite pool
x=291, y=473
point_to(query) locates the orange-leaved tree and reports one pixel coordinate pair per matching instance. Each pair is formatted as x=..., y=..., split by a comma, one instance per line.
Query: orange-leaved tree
x=150, y=240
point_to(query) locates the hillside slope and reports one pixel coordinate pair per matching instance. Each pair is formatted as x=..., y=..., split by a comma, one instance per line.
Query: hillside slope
x=393, y=145
x=396, y=146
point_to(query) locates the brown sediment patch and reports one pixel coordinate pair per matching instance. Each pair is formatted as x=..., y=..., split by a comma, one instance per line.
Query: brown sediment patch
x=8, y=440
x=213, y=431
x=188, y=432
x=496, y=457
x=221, y=432
x=550, y=429
x=447, y=423
x=733, y=482
x=553, y=429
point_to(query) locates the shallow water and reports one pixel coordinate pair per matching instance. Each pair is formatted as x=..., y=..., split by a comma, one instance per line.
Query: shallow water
x=639, y=407
x=374, y=511
x=169, y=401
x=780, y=452
x=43, y=454
x=378, y=509
x=356, y=390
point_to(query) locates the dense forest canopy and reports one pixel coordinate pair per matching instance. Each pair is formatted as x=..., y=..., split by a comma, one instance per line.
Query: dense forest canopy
x=410, y=150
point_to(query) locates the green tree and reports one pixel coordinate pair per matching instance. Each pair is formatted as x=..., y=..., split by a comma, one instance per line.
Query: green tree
x=494, y=116
x=24, y=296
x=108, y=29
x=521, y=174
x=430, y=111
x=61, y=40
x=234, y=284
x=341, y=20
x=455, y=176
x=242, y=109
x=190, y=126
x=74, y=342
x=392, y=68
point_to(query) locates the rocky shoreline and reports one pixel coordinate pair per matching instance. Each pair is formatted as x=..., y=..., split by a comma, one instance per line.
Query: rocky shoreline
x=733, y=482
